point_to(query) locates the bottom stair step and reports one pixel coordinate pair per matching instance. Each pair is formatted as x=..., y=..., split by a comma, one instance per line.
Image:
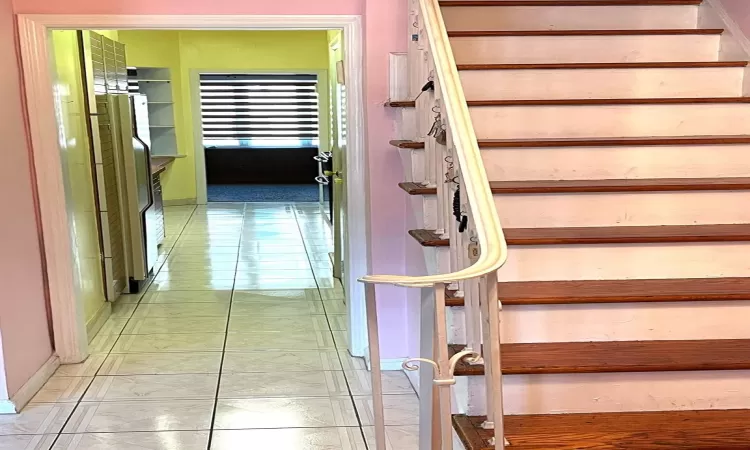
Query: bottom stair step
x=684, y=430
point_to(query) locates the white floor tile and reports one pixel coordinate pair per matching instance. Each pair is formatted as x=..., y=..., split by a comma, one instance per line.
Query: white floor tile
x=141, y=415
x=161, y=363
x=290, y=439
x=145, y=343
x=166, y=440
x=152, y=387
x=288, y=384
x=36, y=419
x=290, y=412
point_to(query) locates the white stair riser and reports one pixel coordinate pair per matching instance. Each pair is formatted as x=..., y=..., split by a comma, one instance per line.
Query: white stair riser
x=617, y=392
x=550, y=84
x=529, y=122
x=620, y=209
x=425, y=211
x=618, y=322
x=414, y=164
x=570, y=49
x=626, y=261
x=464, y=18
x=589, y=163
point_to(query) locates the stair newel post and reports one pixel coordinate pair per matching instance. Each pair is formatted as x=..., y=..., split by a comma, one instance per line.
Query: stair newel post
x=443, y=367
x=493, y=360
x=377, y=380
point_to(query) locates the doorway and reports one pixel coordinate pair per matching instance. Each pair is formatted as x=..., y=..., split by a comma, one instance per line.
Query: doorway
x=67, y=314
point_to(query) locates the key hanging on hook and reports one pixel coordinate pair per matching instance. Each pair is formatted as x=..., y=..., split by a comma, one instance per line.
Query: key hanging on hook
x=441, y=136
x=435, y=128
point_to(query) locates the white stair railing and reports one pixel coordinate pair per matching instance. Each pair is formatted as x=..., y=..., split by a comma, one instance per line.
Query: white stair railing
x=430, y=57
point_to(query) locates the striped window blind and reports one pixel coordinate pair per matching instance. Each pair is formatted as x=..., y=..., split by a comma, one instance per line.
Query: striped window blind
x=259, y=110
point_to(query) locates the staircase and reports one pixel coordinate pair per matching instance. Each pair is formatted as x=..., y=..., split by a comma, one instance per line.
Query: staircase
x=616, y=138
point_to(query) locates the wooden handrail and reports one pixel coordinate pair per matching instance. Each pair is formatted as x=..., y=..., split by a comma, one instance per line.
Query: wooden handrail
x=494, y=249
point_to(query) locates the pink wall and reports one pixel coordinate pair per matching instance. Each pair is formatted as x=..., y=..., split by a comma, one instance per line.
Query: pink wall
x=739, y=10
x=385, y=32
x=23, y=313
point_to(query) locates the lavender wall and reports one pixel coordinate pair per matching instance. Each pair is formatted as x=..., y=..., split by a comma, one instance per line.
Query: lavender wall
x=23, y=314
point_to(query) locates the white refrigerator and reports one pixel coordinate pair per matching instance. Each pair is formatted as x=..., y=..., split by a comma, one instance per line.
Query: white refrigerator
x=138, y=185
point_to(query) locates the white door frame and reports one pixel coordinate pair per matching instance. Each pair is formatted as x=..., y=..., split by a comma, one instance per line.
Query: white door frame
x=68, y=321
x=201, y=184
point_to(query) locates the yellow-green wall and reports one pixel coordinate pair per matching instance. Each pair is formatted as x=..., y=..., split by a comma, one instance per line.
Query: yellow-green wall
x=76, y=157
x=189, y=52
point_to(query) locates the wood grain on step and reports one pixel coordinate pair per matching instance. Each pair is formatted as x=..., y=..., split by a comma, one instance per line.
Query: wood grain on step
x=568, y=2
x=601, y=186
x=562, y=33
x=417, y=189
x=598, y=142
x=407, y=144
x=611, y=101
x=608, y=235
x=428, y=238
x=631, y=185
x=660, y=430
x=589, y=102
x=619, y=291
x=401, y=103
x=617, y=356
x=610, y=65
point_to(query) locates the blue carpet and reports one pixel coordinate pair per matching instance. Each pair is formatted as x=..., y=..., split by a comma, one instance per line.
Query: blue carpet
x=263, y=193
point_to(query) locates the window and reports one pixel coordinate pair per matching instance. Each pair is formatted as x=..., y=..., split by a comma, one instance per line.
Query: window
x=259, y=110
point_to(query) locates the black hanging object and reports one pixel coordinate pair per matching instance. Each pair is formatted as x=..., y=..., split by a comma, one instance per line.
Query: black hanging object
x=464, y=224
x=462, y=219
x=429, y=86
x=457, y=204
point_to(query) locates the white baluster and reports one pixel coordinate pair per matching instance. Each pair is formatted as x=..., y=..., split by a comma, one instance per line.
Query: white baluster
x=377, y=380
x=486, y=319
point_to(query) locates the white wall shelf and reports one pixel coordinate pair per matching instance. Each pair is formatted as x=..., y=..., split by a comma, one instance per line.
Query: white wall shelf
x=155, y=83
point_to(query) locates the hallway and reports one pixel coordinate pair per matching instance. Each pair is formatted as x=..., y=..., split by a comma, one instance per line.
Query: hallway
x=239, y=343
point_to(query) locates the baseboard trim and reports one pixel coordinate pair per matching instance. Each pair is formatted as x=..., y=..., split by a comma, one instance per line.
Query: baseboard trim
x=181, y=202
x=386, y=364
x=21, y=398
x=97, y=322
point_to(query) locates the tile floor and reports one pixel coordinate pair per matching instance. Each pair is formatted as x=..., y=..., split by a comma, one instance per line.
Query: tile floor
x=239, y=343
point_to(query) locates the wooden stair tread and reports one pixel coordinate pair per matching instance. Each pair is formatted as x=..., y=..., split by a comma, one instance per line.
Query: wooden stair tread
x=601, y=186
x=401, y=143
x=684, y=430
x=596, y=142
x=634, y=185
x=616, y=356
x=609, y=65
x=412, y=188
x=630, y=32
x=567, y=2
x=607, y=235
x=401, y=103
x=618, y=291
x=611, y=101
x=590, y=102
x=428, y=238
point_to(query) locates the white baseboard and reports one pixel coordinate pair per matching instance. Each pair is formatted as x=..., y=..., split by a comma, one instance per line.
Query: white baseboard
x=97, y=322
x=29, y=390
x=386, y=364
x=181, y=202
